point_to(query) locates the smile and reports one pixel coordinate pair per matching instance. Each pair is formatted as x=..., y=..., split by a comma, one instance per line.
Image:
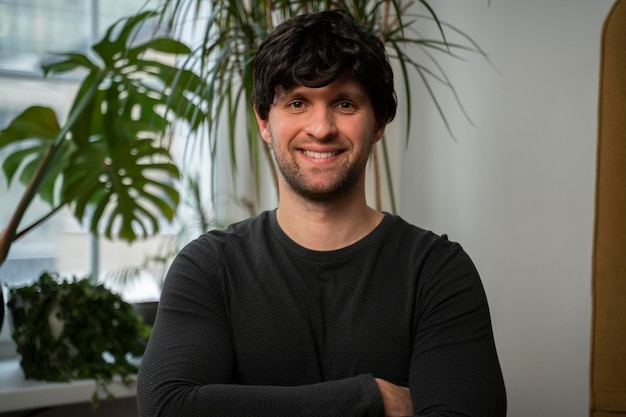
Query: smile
x=319, y=155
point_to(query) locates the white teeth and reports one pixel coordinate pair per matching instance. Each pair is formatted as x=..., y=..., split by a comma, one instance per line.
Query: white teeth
x=319, y=155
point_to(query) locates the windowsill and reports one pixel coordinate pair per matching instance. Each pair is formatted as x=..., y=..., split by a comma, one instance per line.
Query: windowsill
x=19, y=393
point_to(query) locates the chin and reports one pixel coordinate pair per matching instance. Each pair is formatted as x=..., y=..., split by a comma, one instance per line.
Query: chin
x=324, y=194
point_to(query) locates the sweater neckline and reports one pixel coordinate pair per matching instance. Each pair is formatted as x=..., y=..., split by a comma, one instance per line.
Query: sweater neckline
x=315, y=255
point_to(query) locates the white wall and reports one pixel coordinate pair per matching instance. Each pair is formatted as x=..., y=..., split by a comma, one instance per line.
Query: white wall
x=517, y=189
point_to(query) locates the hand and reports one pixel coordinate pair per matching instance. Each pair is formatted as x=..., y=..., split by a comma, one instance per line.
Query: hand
x=396, y=399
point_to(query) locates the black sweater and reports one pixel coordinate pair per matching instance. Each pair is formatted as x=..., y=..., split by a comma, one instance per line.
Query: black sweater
x=252, y=324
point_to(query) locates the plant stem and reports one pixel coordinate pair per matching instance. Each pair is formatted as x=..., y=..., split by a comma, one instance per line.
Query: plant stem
x=268, y=15
x=384, y=25
x=36, y=223
x=9, y=233
x=376, y=168
x=270, y=160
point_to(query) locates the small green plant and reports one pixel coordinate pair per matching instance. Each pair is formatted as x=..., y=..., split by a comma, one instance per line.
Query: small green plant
x=75, y=329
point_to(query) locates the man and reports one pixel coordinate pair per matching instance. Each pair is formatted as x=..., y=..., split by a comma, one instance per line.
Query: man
x=324, y=306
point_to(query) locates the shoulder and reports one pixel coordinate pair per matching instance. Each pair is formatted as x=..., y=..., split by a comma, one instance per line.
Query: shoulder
x=408, y=237
x=242, y=231
x=211, y=247
x=430, y=256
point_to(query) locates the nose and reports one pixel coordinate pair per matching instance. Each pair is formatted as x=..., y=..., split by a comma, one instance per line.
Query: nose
x=320, y=122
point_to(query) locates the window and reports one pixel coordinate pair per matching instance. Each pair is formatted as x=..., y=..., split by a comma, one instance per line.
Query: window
x=30, y=31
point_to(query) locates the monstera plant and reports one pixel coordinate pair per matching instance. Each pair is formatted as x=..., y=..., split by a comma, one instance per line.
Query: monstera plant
x=109, y=161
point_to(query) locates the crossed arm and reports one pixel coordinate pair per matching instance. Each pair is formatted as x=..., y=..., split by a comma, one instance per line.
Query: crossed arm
x=396, y=399
x=191, y=366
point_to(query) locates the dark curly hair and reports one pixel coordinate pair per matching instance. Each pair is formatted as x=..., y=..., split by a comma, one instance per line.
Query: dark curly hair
x=316, y=49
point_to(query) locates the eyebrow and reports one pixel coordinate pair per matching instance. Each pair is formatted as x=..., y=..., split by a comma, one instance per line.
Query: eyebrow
x=352, y=95
x=282, y=94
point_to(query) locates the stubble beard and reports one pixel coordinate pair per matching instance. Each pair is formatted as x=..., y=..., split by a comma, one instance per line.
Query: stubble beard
x=348, y=177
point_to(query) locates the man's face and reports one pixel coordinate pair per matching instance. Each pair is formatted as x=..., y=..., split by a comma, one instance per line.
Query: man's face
x=322, y=137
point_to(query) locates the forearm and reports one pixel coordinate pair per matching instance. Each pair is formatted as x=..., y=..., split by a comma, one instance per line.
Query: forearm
x=357, y=396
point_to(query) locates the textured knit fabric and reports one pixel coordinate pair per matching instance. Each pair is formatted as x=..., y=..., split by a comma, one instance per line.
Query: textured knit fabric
x=252, y=324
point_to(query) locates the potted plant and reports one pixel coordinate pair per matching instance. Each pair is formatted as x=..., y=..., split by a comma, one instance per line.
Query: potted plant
x=110, y=160
x=75, y=329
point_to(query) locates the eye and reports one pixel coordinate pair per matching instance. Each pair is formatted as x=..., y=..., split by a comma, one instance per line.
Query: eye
x=296, y=104
x=346, y=106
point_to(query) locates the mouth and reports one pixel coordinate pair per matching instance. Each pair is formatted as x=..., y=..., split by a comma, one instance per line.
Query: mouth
x=320, y=155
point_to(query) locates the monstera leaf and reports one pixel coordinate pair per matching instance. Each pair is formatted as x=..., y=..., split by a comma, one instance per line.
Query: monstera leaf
x=27, y=139
x=110, y=161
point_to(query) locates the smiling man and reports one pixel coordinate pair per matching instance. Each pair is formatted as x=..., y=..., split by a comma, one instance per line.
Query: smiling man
x=321, y=138
x=323, y=306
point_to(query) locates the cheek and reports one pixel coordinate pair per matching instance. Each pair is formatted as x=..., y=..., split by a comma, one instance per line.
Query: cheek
x=362, y=136
x=280, y=132
x=359, y=126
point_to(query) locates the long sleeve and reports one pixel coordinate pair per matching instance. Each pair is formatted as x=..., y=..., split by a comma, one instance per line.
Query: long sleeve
x=249, y=323
x=190, y=366
x=454, y=369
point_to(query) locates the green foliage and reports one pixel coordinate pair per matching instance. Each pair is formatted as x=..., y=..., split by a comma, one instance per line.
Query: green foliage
x=193, y=220
x=75, y=330
x=110, y=160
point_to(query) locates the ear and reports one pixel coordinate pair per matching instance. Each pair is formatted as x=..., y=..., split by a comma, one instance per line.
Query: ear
x=379, y=131
x=264, y=127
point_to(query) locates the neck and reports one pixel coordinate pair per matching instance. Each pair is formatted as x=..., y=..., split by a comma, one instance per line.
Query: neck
x=326, y=226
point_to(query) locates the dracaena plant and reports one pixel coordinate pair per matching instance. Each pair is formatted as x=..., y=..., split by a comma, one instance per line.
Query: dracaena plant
x=231, y=31
x=109, y=161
